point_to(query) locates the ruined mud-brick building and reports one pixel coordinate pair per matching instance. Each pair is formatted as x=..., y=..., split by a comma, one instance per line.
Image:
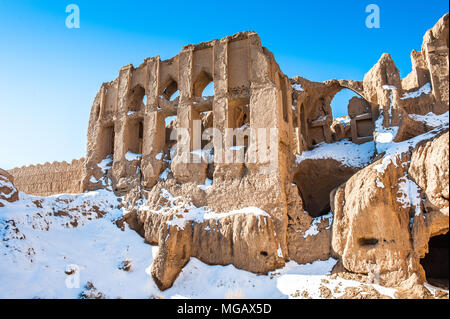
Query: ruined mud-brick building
x=257, y=215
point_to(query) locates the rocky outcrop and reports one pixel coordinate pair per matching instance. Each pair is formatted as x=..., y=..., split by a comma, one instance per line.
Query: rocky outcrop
x=8, y=191
x=430, y=170
x=386, y=213
x=245, y=237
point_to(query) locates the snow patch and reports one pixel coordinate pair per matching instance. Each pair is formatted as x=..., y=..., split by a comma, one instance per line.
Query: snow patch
x=165, y=174
x=297, y=87
x=130, y=156
x=346, y=152
x=313, y=229
x=426, y=89
x=379, y=183
x=188, y=212
x=105, y=164
x=409, y=194
x=208, y=184
x=431, y=119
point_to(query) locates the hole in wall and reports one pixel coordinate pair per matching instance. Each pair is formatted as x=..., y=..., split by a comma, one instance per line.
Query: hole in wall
x=209, y=90
x=367, y=241
x=203, y=85
x=435, y=262
x=107, y=137
x=135, y=135
x=239, y=119
x=171, y=90
x=136, y=99
x=174, y=95
x=316, y=179
x=170, y=123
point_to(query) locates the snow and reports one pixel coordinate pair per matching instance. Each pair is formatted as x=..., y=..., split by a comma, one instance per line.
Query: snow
x=188, y=212
x=320, y=118
x=205, y=154
x=345, y=120
x=130, y=156
x=431, y=119
x=390, y=292
x=409, y=194
x=130, y=113
x=394, y=149
x=389, y=87
x=432, y=289
x=313, y=229
x=279, y=251
x=48, y=257
x=379, y=183
x=35, y=267
x=346, y=152
x=236, y=147
x=426, y=89
x=8, y=185
x=165, y=174
x=383, y=137
x=159, y=156
x=208, y=184
x=106, y=164
x=297, y=87
x=391, y=98
x=169, y=119
x=294, y=279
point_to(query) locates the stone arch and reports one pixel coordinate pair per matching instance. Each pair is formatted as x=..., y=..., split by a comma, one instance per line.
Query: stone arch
x=169, y=88
x=362, y=115
x=202, y=80
x=319, y=115
x=316, y=179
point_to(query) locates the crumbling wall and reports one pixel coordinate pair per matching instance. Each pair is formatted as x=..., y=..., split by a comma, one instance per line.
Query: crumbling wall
x=127, y=129
x=49, y=178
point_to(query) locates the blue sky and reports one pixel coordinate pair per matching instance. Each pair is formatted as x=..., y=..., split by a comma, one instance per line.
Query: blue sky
x=50, y=74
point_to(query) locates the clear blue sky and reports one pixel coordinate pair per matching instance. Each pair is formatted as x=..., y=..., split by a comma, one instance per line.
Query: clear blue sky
x=49, y=74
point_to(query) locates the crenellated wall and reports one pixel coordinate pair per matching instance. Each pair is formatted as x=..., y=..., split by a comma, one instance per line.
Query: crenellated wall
x=49, y=178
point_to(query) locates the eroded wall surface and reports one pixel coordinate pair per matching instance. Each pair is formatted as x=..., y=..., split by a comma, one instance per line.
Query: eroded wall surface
x=49, y=178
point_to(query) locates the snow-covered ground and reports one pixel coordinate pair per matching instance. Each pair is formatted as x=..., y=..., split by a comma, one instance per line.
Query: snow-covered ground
x=63, y=246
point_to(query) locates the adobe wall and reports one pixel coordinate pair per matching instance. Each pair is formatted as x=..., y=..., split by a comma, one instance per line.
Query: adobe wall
x=250, y=91
x=49, y=178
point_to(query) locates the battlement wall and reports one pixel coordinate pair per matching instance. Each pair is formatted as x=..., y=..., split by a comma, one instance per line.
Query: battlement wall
x=49, y=178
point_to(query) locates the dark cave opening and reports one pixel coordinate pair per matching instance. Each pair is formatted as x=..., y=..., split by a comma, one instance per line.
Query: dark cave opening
x=316, y=179
x=435, y=263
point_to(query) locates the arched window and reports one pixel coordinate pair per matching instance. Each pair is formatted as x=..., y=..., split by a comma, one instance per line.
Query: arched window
x=203, y=85
x=171, y=90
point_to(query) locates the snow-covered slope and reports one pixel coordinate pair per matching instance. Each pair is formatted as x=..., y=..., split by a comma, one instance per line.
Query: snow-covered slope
x=68, y=246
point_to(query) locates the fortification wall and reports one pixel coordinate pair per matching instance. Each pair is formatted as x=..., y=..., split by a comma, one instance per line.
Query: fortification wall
x=49, y=178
